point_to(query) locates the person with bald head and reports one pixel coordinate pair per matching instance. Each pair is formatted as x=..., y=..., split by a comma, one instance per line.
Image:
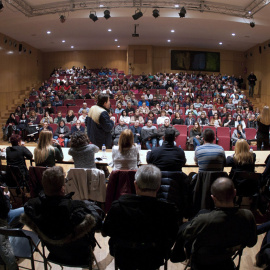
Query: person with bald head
x=210, y=236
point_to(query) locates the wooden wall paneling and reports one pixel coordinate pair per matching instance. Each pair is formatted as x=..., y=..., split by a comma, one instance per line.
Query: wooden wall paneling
x=90, y=59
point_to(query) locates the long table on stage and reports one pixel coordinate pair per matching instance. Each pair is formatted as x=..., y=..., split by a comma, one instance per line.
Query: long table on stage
x=260, y=156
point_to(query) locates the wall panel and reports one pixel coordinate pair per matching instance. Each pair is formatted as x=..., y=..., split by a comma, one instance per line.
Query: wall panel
x=18, y=71
x=90, y=59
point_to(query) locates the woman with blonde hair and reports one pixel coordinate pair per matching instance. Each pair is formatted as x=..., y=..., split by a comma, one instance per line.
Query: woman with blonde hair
x=125, y=156
x=70, y=118
x=45, y=153
x=263, y=121
x=242, y=160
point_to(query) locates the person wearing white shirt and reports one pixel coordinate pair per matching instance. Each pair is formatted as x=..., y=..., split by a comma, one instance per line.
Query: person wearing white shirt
x=83, y=116
x=124, y=117
x=162, y=118
x=84, y=107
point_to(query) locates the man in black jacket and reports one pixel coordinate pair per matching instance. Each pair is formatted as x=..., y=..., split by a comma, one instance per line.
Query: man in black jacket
x=167, y=157
x=67, y=227
x=142, y=228
x=99, y=125
x=136, y=130
x=213, y=235
x=162, y=129
x=252, y=82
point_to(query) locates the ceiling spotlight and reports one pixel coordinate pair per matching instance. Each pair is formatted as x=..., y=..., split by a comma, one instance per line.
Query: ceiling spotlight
x=155, y=13
x=182, y=13
x=62, y=18
x=252, y=24
x=107, y=14
x=138, y=14
x=49, y=32
x=93, y=16
x=1, y=4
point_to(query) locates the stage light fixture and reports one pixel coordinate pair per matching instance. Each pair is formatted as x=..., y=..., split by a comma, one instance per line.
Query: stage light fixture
x=138, y=14
x=93, y=16
x=1, y=4
x=155, y=13
x=252, y=24
x=107, y=14
x=62, y=18
x=182, y=13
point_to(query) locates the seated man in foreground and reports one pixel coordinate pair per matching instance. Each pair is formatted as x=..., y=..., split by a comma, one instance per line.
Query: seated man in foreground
x=67, y=227
x=167, y=157
x=142, y=228
x=213, y=234
x=210, y=156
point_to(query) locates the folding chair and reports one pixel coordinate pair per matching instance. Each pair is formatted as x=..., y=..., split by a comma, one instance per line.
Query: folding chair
x=226, y=259
x=247, y=185
x=24, y=244
x=53, y=258
x=17, y=186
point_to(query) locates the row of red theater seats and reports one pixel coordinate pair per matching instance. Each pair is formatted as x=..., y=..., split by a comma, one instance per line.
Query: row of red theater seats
x=85, y=91
x=223, y=134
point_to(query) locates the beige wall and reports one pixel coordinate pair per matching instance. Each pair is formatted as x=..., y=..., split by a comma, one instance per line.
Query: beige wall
x=90, y=59
x=18, y=71
x=259, y=63
x=159, y=60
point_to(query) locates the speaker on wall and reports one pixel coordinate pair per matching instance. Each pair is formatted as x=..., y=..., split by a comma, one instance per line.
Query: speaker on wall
x=260, y=49
x=20, y=47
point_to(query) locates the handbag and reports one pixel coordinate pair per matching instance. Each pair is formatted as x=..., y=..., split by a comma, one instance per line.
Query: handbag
x=61, y=141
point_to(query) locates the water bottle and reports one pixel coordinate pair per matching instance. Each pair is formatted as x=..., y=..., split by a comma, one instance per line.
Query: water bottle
x=139, y=147
x=103, y=151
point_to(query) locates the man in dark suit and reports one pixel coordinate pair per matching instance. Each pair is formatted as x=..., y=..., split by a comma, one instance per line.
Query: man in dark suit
x=77, y=127
x=189, y=120
x=136, y=130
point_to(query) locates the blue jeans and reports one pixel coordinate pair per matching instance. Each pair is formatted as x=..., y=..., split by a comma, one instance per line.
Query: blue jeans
x=196, y=143
x=251, y=90
x=66, y=140
x=14, y=216
x=154, y=144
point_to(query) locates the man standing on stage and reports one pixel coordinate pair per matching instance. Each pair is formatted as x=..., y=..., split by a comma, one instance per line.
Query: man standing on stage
x=252, y=82
x=99, y=124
